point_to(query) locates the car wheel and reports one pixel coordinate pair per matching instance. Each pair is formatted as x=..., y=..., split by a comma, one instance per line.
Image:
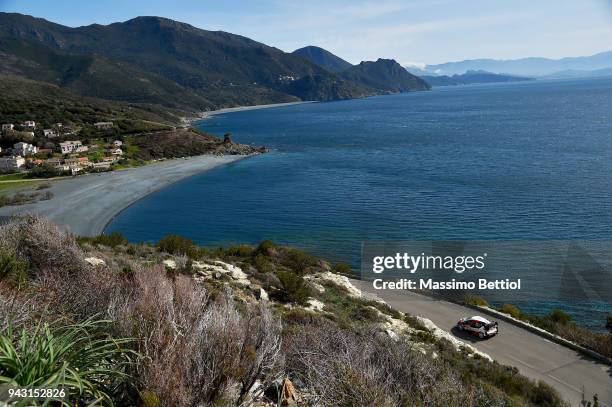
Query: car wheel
x=481, y=335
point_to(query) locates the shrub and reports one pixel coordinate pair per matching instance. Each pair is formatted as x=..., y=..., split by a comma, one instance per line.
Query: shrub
x=511, y=310
x=477, y=301
x=559, y=316
x=113, y=240
x=343, y=268
x=609, y=323
x=265, y=247
x=262, y=264
x=239, y=251
x=174, y=244
x=363, y=368
x=44, y=171
x=197, y=351
x=297, y=260
x=81, y=358
x=13, y=268
x=293, y=288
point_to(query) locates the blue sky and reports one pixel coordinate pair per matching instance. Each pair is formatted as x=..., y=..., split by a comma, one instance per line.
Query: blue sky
x=410, y=31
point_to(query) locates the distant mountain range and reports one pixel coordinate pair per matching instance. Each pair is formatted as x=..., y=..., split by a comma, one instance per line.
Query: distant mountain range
x=471, y=77
x=153, y=60
x=529, y=67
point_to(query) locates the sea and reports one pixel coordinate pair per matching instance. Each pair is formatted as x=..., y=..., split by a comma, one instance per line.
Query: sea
x=526, y=161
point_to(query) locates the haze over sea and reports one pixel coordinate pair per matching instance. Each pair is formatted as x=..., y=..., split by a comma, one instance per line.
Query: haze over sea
x=520, y=161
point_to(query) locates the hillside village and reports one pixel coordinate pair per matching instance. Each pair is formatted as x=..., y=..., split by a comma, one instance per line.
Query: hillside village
x=58, y=150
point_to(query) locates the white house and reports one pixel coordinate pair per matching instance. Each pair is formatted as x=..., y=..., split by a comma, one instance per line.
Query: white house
x=11, y=163
x=115, y=151
x=24, y=149
x=68, y=147
x=29, y=125
x=103, y=125
x=8, y=127
x=50, y=133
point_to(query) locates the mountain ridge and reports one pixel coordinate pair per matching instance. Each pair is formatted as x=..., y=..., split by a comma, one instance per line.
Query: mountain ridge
x=220, y=68
x=323, y=58
x=384, y=74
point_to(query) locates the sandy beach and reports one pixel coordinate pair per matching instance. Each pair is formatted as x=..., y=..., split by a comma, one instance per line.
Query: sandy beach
x=206, y=115
x=85, y=204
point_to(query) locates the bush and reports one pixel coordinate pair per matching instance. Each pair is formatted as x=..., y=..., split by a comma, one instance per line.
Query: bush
x=265, y=247
x=363, y=368
x=13, y=268
x=559, y=316
x=197, y=351
x=293, y=288
x=511, y=310
x=44, y=171
x=113, y=240
x=81, y=358
x=343, y=268
x=297, y=260
x=174, y=244
x=239, y=251
x=262, y=264
x=477, y=301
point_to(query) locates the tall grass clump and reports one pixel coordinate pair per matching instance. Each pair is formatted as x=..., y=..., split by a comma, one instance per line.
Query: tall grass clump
x=81, y=358
x=197, y=350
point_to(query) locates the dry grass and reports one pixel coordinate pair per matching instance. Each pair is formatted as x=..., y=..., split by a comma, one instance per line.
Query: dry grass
x=366, y=368
x=196, y=350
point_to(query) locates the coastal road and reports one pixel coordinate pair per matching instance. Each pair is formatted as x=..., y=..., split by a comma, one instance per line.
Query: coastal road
x=568, y=371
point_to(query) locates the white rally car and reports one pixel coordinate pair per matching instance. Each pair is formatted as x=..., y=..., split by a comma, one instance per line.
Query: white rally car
x=479, y=326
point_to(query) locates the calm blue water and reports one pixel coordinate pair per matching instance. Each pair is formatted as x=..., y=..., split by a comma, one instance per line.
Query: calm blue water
x=526, y=161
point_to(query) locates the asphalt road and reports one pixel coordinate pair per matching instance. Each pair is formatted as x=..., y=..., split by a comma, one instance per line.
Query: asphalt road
x=568, y=371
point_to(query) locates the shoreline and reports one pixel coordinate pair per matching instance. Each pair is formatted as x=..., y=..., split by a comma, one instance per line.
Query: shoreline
x=211, y=113
x=86, y=204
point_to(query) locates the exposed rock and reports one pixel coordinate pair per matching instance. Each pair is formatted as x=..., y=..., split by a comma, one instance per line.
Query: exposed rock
x=317, y=287
x=315, y=305
x=169, y=263
x=337, y=279
x=263, y=295
x=392, y=334
x=217, y=267
x=94, y=261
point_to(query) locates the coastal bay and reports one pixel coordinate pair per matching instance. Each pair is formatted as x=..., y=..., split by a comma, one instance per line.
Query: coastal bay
x=85, y=204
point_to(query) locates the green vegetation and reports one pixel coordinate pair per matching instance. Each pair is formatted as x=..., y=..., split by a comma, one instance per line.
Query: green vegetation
x=170, y=60
x=341, y=354
x=559, y=323
x=343, y=268
x=12, y=269
x=21, y=198
x=477, y=301
x=111, y=240
x=82, y=358
x=293, y=288
x=174, y=244
x=47, y=104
